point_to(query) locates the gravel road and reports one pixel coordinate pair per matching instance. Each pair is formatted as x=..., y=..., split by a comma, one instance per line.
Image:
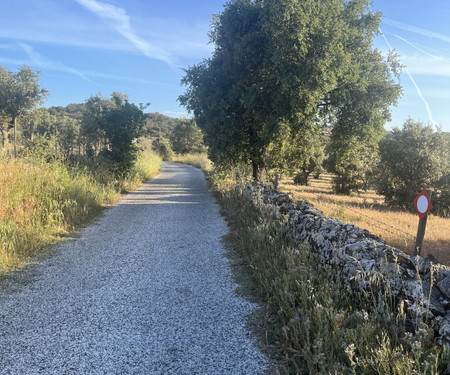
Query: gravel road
x=143, y=290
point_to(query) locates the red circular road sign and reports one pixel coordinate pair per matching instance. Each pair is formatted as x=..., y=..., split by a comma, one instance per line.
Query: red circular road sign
x=423, y=204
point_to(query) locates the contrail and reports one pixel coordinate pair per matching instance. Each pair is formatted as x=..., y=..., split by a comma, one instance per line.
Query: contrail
x=419, y=92
x=44, y=62
x=121, y=22
x=417, y=30
x=440, y=58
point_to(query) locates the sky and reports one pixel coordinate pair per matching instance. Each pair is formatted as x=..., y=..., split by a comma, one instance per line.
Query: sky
x=140, y=47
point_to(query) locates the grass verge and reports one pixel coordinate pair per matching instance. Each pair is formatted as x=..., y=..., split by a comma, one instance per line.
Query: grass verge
x=310, y=322
x=40, y=202
x=197, y=160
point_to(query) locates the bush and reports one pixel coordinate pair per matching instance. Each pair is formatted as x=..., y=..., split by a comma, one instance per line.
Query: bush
x=163, y=149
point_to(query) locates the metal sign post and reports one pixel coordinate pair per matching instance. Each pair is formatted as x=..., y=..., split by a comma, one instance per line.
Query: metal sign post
x=423, y=206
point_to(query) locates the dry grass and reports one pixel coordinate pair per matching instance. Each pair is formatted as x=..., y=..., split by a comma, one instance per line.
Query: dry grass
x=40, y=202
x=197, y=160
x=368, y=211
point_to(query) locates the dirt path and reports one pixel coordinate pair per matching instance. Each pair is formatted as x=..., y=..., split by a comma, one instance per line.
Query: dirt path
x=144, y=290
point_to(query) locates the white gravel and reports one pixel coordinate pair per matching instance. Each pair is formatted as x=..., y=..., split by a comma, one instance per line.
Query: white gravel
x=144, y=290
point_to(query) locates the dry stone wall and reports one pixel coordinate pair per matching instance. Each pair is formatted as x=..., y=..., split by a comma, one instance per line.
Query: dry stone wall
x=363, y=260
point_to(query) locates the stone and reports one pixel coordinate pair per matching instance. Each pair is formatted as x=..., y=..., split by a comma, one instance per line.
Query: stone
x=356, y=253
x=444, y=287
x=434, y=302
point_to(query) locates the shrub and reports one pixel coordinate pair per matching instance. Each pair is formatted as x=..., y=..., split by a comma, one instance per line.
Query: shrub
x=163, y=149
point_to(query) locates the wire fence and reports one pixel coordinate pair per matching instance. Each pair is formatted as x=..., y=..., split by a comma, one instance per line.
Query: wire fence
x=383, y=226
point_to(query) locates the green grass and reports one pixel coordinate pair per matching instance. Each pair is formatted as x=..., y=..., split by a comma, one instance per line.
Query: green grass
x=311, y=323
x=40, y=202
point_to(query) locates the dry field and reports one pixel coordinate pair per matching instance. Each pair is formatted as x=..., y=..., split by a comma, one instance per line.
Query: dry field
x=368, y=211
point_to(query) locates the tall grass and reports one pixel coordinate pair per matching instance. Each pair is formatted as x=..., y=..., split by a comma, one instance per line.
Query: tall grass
x=41, y=200
x=198, y=160
x=312, y=323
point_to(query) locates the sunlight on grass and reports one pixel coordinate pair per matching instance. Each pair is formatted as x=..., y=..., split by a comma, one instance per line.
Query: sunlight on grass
x=200, y=161
x=310, y=321
x=368, y=211
x=40, y=202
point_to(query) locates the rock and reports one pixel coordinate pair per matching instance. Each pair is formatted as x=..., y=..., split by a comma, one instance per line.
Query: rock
x=444, y=287
x=434, y=300
x=357, y=254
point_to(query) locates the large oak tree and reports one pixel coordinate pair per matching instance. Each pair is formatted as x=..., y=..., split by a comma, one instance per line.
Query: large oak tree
x=295, y=62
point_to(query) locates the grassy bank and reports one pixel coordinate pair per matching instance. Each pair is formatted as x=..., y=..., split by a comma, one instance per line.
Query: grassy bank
x=309, y=322
x=197, y=160
x=41, y=201
x=368, y=211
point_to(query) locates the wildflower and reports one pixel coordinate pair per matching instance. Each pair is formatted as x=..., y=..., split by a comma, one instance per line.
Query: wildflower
x=5, y=243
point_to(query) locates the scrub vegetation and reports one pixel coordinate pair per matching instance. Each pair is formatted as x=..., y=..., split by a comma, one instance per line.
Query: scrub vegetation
x=309, y=322
x=60, y=166
x=42, y=201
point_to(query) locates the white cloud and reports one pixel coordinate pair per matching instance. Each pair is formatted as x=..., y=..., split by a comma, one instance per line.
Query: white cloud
x=122, y=24
x=426, y=65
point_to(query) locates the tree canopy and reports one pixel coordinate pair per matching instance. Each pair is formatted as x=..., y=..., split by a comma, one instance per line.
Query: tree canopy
x=19, y=93
x=118, y=123
x=295, y=62
x=187, y=137
x=414, y=158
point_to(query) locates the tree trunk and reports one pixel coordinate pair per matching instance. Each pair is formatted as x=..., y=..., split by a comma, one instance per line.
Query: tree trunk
x=258, y=169
x=15, y=125
x=275, y=184
x=4, y=136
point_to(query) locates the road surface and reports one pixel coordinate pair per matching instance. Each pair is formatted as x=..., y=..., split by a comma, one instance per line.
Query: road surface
x=145, y=289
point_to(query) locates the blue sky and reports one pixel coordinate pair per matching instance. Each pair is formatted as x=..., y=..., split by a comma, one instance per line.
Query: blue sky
x=83, y=47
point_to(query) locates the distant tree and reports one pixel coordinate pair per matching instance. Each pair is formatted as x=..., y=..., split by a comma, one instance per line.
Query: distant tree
x=122, y=123
x=68, y=134
x=288, y=62
x=19, y=93
x=162, y=147
x=159, y=125
x=92, y=134
x=5, y=127
x=39, y=121
x=187, y=137
x=300, y=154
x=413, y=158
x=308, y=156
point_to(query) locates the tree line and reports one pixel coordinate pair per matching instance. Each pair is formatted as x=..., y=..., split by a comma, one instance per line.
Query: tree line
x=100, y=129
x=290, y=81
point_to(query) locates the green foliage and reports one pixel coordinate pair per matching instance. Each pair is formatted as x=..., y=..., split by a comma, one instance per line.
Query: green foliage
x=159, y=125
x=120, y=124
x=291, y=62
x=353, y=165
x=163, y=149
x=413, y=158
x=19, y=93
x=221, y=89
x=187, y=138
